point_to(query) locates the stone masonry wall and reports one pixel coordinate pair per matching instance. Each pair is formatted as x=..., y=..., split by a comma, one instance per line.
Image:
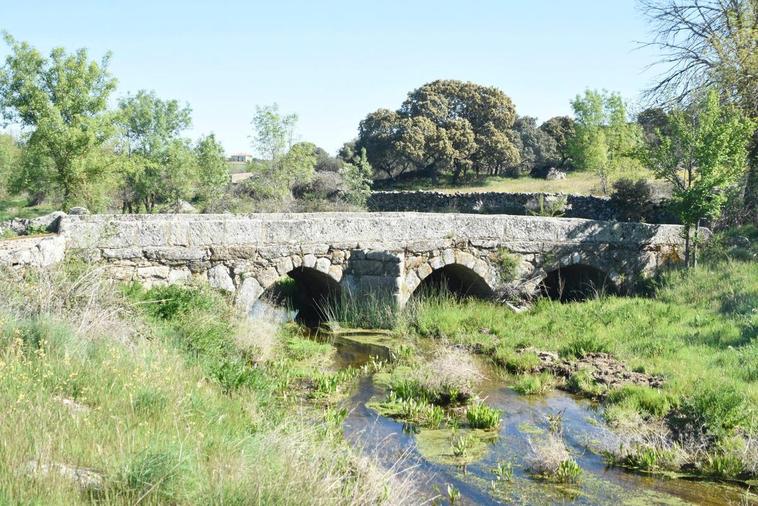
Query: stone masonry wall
x=365, y=253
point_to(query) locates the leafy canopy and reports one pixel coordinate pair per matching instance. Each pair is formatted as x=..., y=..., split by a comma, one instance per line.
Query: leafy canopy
x=61, y=100
x=444, y=126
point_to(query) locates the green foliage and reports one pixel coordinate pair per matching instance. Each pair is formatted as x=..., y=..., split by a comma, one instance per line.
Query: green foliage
x=535, y=384
x=481, y=416
x=515, y=362
x=158, y=165
x=646, y=401
x=62, y=99
x=10, y=158
x=358, y=178
x=150, y=472
x=443, y=127
x=508, y=264
x=213, y=173
x=582, y=382
x=462, y=444
x=568, y=472
x=561, y=129
x=503, y=471
x=275, y=179
x=604, y=140
x=273, y=132
x=581, y=346
x=632, y=200
x=719, y=407
x=702, y=154
x=537, y=149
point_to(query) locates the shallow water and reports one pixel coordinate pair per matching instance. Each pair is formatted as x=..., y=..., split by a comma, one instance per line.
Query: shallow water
x=523, y=419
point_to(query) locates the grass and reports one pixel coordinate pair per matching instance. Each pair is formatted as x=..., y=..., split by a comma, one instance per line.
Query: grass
x=582, y=183
x=16, y=207
x=168, y=409
x=699, y=331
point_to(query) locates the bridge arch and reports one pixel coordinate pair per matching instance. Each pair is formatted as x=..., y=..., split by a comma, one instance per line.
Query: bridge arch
x=576, y=282
x=458, y=280
x=304, y=293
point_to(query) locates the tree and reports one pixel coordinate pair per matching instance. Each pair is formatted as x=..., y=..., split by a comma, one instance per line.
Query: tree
x=10, y=158
x=703, y=153
x=653, y=121
x=357, y=178
x=62, y=99
x=706, y=44
x=536, y=148
x=213, y=173
x=443, y=127
x=604, y=141
x=561, y=129
x=273, y=133
x=161, y=165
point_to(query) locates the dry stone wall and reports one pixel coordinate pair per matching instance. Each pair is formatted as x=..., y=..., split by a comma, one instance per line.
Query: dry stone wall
x=524, y=204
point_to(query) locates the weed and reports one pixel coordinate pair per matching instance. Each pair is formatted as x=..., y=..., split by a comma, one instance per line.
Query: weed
x=462, y=443
x=535, y=384
x=568, y=471
x=503, y=471
x=507, y=264
x=582, y=346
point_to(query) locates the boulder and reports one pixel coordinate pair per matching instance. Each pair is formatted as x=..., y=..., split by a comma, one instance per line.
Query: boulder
x=48, y=222
x=78, y=211
x=181, y=207
x=85, y=479
x=554, y=174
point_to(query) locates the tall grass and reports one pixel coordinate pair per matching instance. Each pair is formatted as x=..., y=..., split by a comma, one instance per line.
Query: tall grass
x=171, y=412
x=699, y=331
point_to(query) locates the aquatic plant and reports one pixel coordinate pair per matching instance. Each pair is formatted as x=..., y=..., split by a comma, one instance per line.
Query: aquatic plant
x=481, y=416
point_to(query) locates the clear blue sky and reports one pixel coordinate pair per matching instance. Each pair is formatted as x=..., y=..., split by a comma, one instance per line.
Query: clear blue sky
x=332, y=62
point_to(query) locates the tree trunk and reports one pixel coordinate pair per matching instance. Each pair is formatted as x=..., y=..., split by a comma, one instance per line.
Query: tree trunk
x=686, y=244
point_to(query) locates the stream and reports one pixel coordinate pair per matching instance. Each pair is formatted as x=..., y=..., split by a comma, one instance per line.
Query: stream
x=396, y=448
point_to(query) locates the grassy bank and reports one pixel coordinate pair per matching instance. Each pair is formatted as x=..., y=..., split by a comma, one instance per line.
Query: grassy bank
x=699, y=332
x=167, y=397
x=577, y=182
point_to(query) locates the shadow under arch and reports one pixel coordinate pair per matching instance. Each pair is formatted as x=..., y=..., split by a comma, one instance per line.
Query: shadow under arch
x=576, y=282
x=455, y=279
x=303, y=295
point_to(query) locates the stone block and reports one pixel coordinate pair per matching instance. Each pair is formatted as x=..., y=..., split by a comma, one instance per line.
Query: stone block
x=219, y=277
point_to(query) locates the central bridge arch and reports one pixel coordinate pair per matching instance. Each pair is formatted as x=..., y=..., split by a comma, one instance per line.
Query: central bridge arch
x=458, y=280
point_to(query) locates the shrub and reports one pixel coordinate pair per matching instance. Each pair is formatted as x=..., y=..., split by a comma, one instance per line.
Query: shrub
x=718, y=407
x=632, y=199
x=481, y=416
x=507, y=264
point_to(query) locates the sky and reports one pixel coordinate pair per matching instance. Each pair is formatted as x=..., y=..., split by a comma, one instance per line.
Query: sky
x=333, y=62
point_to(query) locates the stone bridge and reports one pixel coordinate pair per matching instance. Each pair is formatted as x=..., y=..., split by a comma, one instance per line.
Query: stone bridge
x=360, y=255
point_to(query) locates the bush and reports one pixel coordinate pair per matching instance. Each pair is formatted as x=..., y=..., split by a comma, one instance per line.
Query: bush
x=719, y=408
x=632, y=199
x=324, y=186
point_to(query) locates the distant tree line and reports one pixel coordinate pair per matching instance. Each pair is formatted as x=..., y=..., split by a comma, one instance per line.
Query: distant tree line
x=75, y=150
